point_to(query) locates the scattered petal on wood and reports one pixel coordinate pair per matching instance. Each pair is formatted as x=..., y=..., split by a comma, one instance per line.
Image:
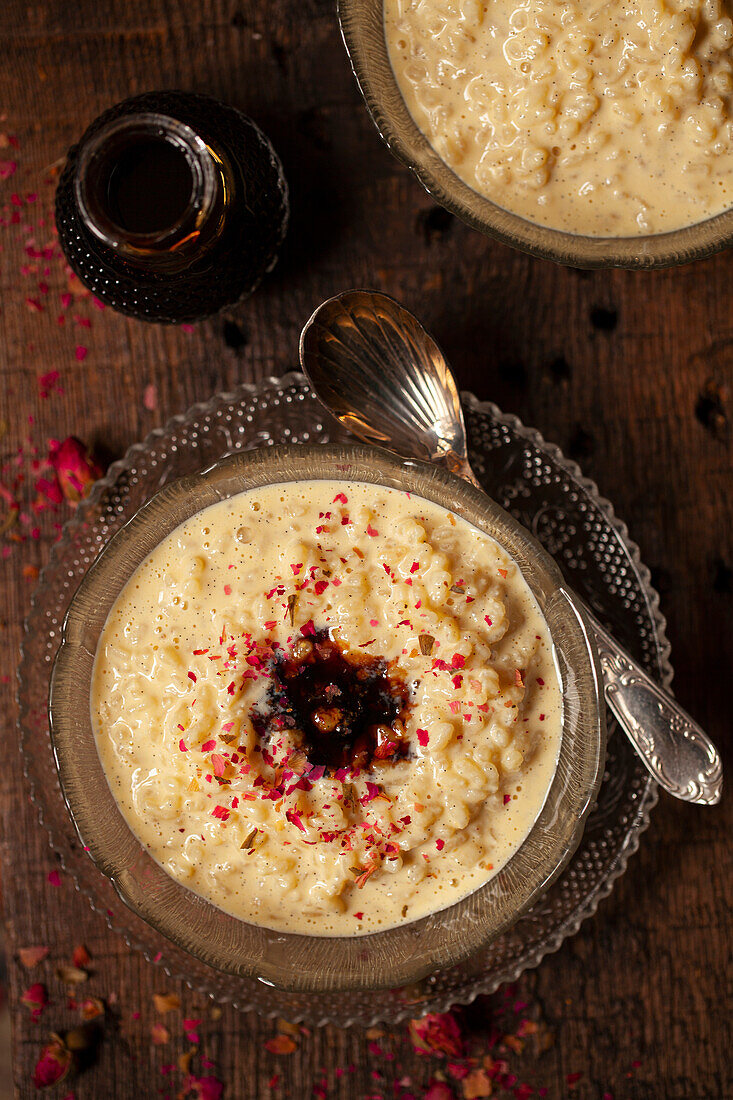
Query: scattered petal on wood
x=476, y=1085
x=81, y=957
x=286, y=1027
x=48, y=383
x=438, y=1090
x=281, y=1044
x=150, y=397
x=184, y=1060
x=32, y=956
x=166, y=1002
x=160, y=1034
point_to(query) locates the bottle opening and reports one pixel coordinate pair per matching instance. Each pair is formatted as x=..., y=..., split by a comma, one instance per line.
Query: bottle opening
x=145, y=184
x=149, y=186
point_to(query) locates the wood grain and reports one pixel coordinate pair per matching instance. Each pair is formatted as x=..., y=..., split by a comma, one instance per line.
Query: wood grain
x=630, y=373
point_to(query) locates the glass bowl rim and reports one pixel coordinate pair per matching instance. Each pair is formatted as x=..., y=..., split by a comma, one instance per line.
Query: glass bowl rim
x=389, y=465
x=368, y=51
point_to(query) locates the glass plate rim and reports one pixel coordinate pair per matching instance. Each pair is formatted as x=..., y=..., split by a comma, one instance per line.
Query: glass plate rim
x=649, y=794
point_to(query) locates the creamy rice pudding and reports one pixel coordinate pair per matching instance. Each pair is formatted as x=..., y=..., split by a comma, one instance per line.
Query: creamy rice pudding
x=599, y=117
x=328, y=707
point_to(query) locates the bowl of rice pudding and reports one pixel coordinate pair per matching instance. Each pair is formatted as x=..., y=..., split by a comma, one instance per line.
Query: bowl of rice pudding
x=592, y=134
x=326, y=717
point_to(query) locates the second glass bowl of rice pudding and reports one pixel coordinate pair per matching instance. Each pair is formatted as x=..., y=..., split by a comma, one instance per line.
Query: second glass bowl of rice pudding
x=594, y=134
x=326, y=717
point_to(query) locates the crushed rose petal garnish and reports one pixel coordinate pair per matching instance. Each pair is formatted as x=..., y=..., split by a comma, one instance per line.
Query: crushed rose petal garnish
x=345, y=685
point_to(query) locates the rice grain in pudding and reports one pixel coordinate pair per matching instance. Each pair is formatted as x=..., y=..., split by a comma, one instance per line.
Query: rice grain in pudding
x=327, y=707
x=609, y=118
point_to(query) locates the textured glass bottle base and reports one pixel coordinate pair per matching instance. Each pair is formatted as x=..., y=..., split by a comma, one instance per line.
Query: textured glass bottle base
x=227, y=272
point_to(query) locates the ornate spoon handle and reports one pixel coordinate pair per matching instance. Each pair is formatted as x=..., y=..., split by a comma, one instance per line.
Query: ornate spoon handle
x=377, y=370
x=677, y=752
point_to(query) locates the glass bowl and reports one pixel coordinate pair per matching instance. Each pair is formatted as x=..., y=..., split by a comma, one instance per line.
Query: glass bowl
x=362, y=28
x=549, y=495
x=292, y=962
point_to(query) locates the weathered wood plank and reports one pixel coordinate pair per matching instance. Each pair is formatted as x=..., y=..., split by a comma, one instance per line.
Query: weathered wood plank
x=630, y=373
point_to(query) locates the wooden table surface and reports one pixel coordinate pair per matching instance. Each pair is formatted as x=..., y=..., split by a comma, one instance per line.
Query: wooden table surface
x=629, y=373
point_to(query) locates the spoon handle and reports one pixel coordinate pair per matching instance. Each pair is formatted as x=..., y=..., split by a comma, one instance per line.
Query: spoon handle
x=677, y=752
x=376, y=369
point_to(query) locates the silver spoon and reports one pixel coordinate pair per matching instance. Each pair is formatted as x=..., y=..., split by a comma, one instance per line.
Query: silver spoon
x=376, y=369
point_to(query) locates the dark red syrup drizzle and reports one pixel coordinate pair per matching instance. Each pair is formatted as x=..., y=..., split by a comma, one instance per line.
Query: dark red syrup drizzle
x=348, y=707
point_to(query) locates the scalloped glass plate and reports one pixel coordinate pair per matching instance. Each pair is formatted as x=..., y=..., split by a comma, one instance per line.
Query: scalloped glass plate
x=543, y=491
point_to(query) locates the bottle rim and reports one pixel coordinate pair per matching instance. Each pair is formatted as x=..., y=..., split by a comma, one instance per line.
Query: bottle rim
x=201, y=162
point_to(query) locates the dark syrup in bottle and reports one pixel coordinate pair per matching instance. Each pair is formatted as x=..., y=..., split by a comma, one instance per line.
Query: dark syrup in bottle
x=171, y=207
x=149, y=187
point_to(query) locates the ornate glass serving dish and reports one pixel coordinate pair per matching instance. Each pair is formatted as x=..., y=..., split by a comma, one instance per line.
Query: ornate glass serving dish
x=548, y=496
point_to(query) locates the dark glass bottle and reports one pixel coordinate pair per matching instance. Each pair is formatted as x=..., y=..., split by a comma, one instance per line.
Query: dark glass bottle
x=172, y=206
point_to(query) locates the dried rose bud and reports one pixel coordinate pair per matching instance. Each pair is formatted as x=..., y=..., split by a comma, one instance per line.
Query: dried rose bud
x=438, y=1032
x=91, y=1008
x=53, y=1065
x=438, y=1090
x=71, y=975
x=75, y=469
x=35, y=998
x=81, y=1038
x=203, y=1088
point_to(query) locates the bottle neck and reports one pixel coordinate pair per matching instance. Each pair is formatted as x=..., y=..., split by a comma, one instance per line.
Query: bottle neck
x=152, y=190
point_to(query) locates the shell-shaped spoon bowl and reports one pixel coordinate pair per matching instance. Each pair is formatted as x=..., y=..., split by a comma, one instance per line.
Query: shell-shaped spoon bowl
x=385, y=378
